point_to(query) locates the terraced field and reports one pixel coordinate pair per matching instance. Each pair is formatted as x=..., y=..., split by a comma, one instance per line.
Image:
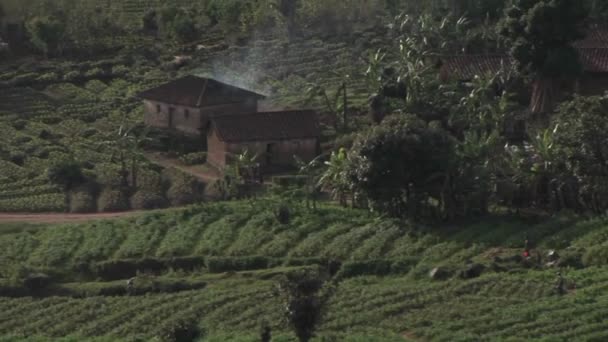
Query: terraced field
x=370, y=303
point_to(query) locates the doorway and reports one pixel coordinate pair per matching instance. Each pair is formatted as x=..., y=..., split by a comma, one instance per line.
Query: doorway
x=270, y=153
x=171, y=113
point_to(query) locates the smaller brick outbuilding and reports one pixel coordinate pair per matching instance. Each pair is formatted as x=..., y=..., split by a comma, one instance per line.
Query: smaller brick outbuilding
x=275, y=137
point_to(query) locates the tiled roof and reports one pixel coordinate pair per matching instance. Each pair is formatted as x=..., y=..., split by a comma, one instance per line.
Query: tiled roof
x=593, y=52
x=597, y=37
x=594, y=60
x=285, y=125
x=196, y=91
x=466, y=67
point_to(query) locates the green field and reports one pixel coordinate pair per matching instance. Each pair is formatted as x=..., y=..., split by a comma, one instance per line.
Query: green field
x=237, y=250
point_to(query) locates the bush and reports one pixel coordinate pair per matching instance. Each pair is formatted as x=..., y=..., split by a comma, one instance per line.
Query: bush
x=596, y=256
x=45, y=134
x=72, y=76
x=112, y=201
x=82, y=201
x=123, y=269
x=51, y=120
x=227, y=264
x=184, y=190
x=66, y=173
x=180, y=329
x=145, y=200
x=196, y=158
x=19, y=124
x=369, y=267
x=288, y=181
x=17, y=158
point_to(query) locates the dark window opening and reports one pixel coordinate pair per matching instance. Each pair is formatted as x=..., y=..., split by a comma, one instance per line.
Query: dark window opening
x=186, y=113
x=270, y=150
x=158, y=109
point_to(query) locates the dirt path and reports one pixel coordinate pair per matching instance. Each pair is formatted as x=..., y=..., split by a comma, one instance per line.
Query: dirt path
x=62, y=218
x=206, y=175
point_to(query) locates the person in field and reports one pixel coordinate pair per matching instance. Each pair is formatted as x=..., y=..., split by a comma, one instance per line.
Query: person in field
x=526, y=252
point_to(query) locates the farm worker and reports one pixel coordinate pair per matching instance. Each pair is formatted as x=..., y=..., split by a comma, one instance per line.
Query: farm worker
x=526, y=248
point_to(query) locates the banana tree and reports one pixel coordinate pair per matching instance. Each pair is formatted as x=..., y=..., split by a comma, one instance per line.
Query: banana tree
x=335, y=177
x=126, y=146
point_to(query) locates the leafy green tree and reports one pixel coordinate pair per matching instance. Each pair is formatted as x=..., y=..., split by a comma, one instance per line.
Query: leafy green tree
x=47, y=34
x=177, y=23
x=304, y=298
x=580, y=137
x=400, y=165
x=312, y=172
x=287, y=9
x=540, y=34
x=66, y=173
x=126, y=146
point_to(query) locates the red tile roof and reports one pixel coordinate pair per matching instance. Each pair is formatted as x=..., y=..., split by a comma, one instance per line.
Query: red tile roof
x=193, y=91
x=597, y=37
x=466, y=67
x=268, y=126
x=593, y=52
x=594, y=60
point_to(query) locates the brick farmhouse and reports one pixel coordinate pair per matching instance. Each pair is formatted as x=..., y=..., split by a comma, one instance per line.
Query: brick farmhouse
x=227, y=118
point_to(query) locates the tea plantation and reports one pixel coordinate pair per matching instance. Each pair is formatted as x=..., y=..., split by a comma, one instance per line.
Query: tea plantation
x=218, y=265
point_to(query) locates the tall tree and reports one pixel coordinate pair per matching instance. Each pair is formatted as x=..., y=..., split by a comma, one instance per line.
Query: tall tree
x=541, y=33
x=47, y=34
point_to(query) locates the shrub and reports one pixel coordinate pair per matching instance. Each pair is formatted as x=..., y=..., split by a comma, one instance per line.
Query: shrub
x=226, y=264
x=123, y=269
x=184, y=190
x=19, y=124
x=51, y=120
x=180, y=329
x=596, y=256
x=72, y=76
x=82, y=201
x=17, y=158
x=23, y=140
x=45, y=134
x=368, y=267
x=146, y=200
x=288, y=181
x=66, y=173
x=120, y=70
x=195, y=158
x=112, y=200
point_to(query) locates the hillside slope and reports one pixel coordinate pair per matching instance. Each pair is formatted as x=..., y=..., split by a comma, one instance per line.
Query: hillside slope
x=226, y=259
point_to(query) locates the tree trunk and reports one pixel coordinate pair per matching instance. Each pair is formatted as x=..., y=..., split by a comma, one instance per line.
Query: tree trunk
x=543, y=96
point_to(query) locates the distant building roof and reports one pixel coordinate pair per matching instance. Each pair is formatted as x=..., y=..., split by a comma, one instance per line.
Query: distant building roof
x=267, y=126
x=593, y=52
x=597, y=37
x=194, y=91
x=466, y=67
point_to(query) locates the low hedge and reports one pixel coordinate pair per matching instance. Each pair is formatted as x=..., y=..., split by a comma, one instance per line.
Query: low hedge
x=378, y=267
x=234, y=264
x=127, y=268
